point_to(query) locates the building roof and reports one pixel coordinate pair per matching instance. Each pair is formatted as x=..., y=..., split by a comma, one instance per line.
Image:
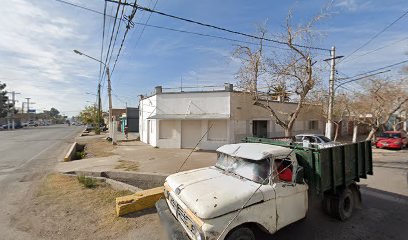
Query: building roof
x=190, y=116
x=254, y=151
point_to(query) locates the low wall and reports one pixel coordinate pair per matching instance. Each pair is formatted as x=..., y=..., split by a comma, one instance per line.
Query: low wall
x=140, y=180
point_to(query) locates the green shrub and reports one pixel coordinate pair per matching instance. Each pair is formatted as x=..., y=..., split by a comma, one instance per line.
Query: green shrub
x=80, y=154
x=88, y=182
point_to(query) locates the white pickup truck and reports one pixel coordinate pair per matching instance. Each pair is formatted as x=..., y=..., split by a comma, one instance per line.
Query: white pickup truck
x=252, y=187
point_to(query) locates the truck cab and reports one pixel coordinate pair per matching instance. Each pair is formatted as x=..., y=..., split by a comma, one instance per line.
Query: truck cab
x=251, y=185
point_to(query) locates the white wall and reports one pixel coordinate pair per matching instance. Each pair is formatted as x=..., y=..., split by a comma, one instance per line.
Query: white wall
x=193, y=103
x=184, y=104
x=147, y=109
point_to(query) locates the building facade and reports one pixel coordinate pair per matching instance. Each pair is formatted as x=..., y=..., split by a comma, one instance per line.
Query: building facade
x=210, y=119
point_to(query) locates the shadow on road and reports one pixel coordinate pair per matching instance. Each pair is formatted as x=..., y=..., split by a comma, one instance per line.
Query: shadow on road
x=384, y=215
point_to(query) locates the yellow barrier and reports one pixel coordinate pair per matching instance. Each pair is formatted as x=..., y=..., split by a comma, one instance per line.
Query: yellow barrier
x=138, y=201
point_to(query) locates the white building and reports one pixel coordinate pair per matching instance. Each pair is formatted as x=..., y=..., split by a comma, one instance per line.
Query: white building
x=181, y=119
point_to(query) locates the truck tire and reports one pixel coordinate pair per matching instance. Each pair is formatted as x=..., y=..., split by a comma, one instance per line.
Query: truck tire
x=241, y=233
x=342, y=206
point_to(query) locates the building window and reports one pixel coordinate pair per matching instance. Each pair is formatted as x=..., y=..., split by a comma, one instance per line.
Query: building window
x=166, y=128
x=218, y=131
x=313, y=125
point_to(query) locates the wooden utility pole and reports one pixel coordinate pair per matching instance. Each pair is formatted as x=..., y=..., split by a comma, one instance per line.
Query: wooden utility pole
x=329, y=124
x=99, y=105
x=112, y=131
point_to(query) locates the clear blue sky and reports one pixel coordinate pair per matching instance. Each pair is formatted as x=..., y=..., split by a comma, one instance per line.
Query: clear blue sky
x=37, y=39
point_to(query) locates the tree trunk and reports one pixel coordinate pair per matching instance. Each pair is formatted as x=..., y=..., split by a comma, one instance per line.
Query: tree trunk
x=371, y=134
x=336, y=133
x=355, y=131
x=288, y=132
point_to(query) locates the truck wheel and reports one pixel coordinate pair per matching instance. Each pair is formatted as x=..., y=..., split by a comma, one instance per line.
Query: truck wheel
x=342, y=207
x=241, y=233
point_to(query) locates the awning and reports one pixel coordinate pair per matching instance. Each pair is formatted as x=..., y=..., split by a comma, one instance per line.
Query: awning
x=190, y=116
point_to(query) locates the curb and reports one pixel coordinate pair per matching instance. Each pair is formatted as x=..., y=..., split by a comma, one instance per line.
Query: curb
x=71, y=152
x=116, y=185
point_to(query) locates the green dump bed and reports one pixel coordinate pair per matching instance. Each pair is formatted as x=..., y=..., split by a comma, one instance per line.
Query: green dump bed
x=327, y=169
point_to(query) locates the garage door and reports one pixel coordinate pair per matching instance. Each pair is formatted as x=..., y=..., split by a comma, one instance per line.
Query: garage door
x=190, y=133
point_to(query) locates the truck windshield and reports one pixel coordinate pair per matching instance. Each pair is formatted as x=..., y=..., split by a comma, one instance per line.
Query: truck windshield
x=255, y=171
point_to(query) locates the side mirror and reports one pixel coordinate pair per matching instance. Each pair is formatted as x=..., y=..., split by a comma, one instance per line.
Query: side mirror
x=299, y=175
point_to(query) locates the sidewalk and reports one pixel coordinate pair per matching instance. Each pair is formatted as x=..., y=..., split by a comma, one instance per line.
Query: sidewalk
x=135, y=156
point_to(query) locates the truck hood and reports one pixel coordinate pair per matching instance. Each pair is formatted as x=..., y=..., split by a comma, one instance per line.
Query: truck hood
x=209, y=192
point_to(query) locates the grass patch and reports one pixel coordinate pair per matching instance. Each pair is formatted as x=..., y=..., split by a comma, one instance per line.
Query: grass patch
x=79, y=155
x=63, y=209
x=87, y=182
x=128, y=165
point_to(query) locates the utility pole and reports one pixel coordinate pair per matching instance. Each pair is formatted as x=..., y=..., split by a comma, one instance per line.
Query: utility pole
x=13, y=97
x=99, y=105
x=329, y=124
x=8, y=114
x=28, y=109
x=112, y=129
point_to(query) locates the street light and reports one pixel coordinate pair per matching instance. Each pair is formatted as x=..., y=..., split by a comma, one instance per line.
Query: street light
x=111, y=128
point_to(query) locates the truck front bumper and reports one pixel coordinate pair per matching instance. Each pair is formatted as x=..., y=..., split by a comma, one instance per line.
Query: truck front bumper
x=173, y=228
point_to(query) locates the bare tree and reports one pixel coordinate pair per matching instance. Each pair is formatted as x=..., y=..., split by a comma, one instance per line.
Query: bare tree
x=381, y=99
x=292, y=70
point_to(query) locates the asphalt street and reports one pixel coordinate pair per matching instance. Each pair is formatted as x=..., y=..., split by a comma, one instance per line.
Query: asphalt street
x=384, y=213
x=27, y=155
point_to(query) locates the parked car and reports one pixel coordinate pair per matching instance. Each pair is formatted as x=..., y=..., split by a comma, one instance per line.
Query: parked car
x=318, y=140
x=262, y=185
x=392, y=139
x=17, y=125
x=33, y=124
x=89, y=127
x=25, y=124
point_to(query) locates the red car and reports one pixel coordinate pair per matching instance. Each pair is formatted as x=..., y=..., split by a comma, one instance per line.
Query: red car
x=392, y=139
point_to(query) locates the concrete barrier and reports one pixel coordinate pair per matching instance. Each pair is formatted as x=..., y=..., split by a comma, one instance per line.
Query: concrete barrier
x=71, y=152
x=138, y=201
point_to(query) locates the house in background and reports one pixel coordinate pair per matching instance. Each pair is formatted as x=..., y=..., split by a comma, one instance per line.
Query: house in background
x=181, y=119
x=130, y=118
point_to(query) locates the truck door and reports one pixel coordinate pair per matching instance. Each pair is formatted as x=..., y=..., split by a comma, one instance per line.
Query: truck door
x=291, y=197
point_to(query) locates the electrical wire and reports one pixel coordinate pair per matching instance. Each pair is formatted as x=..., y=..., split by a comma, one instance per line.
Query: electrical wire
x=147, y=21
x=377, y=49
x=181, y=31
x=218, y=28
x=128, y=26
x=117, y=32
x=382, y=68
x=375, y=36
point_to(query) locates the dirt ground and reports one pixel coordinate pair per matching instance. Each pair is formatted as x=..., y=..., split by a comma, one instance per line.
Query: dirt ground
x=61, y=208
x=97, y=146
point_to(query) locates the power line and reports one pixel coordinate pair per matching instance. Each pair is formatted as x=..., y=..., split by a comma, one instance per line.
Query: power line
x=147, y=21
x=377, y=49
x=216, y=27
x=376, y=35
x=103, y=39
x=128, y=26
x=382, y=68
x=182, y=31
x=117, y=32
x=113, y=32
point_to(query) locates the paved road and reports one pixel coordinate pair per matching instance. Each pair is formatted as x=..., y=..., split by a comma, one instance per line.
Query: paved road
x=26, y=155
x=384, y=214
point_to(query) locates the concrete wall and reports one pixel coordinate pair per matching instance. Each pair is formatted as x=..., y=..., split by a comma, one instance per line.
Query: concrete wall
x=147, y=128
x=243, y=113
x=168, y=133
